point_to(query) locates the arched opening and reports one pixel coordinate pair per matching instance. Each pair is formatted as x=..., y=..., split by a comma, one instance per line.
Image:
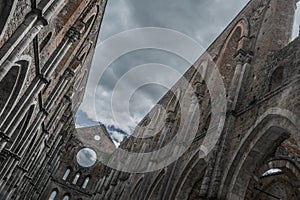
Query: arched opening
x=271, y=172
x=75, y=180
x=276, y=78
x=277, y=182
x=227, y=62
x=89, y=19
x=5, y=11
x=66, y=197
x=189, y=184
x=277, y=189
x=11, y=86
x=7, y=85
x=53, y=195
x=258, y=146
x=66, y=174
x=86, y=181
x=296, y=26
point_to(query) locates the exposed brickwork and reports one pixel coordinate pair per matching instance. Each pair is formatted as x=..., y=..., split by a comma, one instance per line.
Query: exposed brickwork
x=39, y=142
x=261, y=127
x=37, y=118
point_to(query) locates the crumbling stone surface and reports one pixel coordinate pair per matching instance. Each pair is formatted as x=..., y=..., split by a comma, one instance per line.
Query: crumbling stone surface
x=256, y=156
x=40, y=45
x=260, y=69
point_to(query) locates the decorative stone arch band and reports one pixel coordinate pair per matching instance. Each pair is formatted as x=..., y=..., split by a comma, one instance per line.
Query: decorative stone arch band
x=186, y=48
x=273, y=127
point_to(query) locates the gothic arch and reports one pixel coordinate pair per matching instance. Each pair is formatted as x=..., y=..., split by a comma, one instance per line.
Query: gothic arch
x=287, y=180
x=6, y=9
x=281, y=163
x=192, y=173
x=53, y=194
x=91, y=14
x=67, y=173
x=270, y=130
x=12, y=84
x=76, y=178
x=155, y=184
x=66, y=196
x=280, y=182
x=200, y=72
x=244, y=27
x=86, y=182
x=89, y=19
x=235, y=41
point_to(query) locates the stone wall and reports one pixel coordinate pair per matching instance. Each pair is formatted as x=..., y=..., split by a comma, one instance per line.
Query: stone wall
x=44, y=48
x=260, y=70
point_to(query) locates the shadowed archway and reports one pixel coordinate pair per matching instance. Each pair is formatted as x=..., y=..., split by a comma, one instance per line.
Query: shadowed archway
x=258, y=145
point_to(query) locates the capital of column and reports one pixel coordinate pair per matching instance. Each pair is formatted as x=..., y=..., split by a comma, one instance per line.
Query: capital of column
x=73, y=34
x=242, y=56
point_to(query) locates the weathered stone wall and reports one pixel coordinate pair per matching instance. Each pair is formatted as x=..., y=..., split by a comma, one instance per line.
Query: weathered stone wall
x=47, y=44
x=68, y=160
x=261, y=118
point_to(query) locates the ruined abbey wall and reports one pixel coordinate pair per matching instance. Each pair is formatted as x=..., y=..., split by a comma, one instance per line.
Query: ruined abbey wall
x=46, y=47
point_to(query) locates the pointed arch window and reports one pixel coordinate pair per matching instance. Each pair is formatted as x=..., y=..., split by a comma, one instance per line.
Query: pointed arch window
x=5, y=11
x=86, y=181
x=67, y=172
x=227, y=62
x=53, y=195
x=296, y=25
x=12, y=84
x=77, y=176
x=66, y=197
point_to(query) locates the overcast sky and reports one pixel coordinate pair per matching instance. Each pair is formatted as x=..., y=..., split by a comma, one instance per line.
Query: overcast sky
x=202, y=20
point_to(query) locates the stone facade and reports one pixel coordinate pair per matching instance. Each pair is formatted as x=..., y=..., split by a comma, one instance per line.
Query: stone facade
x=69, y=177
x=44, y=59
x=257, y=153
x=46, y=48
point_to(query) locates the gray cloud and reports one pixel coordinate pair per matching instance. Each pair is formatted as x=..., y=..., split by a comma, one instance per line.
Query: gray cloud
x=202, y=20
